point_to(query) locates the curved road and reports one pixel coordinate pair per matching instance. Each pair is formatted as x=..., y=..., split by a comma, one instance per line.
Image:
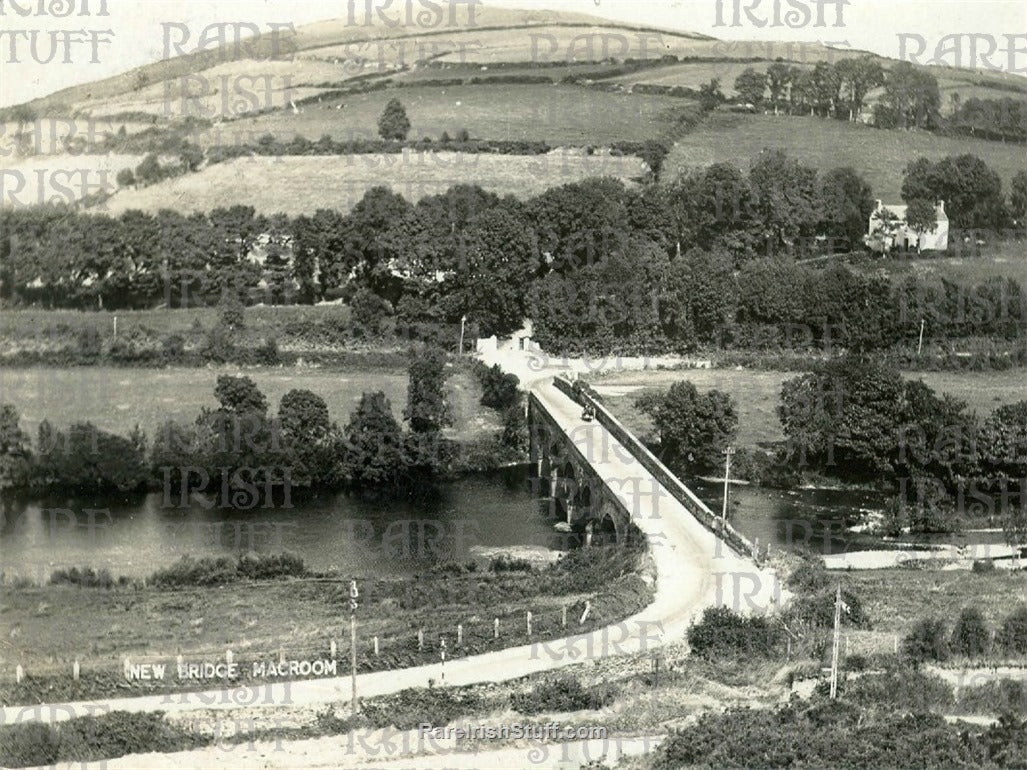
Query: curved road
x=694, y=570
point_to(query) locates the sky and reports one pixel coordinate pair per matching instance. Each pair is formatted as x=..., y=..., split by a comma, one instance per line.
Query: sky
x=129, y=32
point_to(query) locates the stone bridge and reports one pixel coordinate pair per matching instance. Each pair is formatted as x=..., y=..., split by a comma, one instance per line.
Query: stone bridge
x=597, y=510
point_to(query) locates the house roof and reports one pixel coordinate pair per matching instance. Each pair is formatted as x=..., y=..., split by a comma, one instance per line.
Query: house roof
x=900, y=211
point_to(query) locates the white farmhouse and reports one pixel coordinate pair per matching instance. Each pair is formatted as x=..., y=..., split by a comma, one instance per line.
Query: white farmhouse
x=888, y=229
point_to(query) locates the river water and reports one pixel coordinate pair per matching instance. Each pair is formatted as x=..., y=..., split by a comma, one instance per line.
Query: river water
x=361, y=536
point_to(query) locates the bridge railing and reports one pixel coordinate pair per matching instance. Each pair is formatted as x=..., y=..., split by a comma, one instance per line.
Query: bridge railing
x=583, y=394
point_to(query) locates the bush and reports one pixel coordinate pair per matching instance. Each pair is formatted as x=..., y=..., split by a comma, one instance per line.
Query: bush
x=970, y=637
x=92, y=738
x=408, y=708
x=86, y=577
x=498, y=390
x=563, y=693
x=724, y=633
x=983, y=566
x=187, y=571
x=270, y=566
x=90, y=343
x=1013, y=635
x=504, y=563
x=927, y=641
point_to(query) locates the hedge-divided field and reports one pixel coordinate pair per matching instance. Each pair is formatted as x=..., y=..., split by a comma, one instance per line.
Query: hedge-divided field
x=301, y=185
x=558, y=114
x=879, y=155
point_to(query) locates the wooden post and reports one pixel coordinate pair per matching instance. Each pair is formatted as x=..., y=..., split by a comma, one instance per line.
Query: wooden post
x=527, y=618
x=19, y=673
x=563, y=616
x=281, y=655
x=459, y=634
x=584, y=615
x=420, y=639
x=229, y=657
x=332, y=649
x=75, y=669
x=834, y=650
x=376, y=646
x=495, y=628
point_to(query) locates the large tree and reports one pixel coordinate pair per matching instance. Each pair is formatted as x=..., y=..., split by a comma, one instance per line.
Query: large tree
x=972, y=191
x=394, y=123
x=15, y=450
x=694, y=428
x=751, y=85
x=427, y=409
x=846, y=204
x=372, y=452
x=785, y=200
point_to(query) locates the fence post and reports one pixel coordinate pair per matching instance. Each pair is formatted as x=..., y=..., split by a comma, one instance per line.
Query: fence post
x=420, y=639
x=19, y=673
x=229, y=657
x=376, y=646
x=281, y=655
x=584, y=615
x=563, y=616
x=75, y=670
x=333, y=648
x=528, y=621
x=459, y=634
x=495, y=628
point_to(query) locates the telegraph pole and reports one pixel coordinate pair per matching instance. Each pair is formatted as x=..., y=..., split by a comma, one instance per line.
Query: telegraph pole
x=442, y=653
x=920, y=344
x=727, y=472
x=353, y=596
x=837, y=638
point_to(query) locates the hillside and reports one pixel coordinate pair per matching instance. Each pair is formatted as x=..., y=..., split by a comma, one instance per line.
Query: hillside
x=879, y=155
x=297, y=185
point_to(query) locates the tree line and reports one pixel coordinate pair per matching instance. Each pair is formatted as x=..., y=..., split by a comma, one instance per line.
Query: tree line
x=245, y=457
x=469, y=252
x=910, y=97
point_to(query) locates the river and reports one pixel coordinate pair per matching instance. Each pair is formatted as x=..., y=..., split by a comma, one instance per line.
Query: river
x=360, y=536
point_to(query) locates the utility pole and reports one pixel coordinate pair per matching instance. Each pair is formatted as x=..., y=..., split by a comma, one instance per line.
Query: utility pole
x=920, y=344
x=837, y=637
x=353, y=596
x=442, y=653
x=463, y=321
x=727, y=472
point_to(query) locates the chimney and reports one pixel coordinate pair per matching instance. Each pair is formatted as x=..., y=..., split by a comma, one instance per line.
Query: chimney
x=877, y=204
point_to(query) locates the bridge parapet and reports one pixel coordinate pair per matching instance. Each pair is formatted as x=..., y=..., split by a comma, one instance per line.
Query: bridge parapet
x=582, y=394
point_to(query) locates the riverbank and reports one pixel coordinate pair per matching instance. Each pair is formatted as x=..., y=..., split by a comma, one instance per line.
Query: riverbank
x=296, y=620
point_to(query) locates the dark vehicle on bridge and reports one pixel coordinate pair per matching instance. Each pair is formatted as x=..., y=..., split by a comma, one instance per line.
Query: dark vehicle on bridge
x=588, y=413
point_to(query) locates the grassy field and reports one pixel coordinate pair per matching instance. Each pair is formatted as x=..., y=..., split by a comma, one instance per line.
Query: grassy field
x=558, y=114
x=1003, y=260
x=878, y=155
x=116, y=399
x=757, y=393
x=896, y=598
x=300, y=185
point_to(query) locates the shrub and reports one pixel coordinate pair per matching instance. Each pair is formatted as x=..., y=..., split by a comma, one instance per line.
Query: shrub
x=983, y=566
x=563, y=693
x=1013, y=635
x=173, y=347
x=187, y=571
x=504, y=563
x=498, y=390
x=90, y=343
x=927, y=641
x=270, y=566
x=409, y=708
x=723, y=633
x=970, y=637
x=87, y=577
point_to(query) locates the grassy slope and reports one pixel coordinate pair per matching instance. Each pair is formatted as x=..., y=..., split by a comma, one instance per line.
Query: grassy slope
x=897, y=598
x=756, y=394
x=556, y=114
x=295, y=185
x=880, y=156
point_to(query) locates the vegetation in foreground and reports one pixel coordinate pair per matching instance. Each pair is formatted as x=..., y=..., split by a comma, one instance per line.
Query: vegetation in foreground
x=264, y=605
